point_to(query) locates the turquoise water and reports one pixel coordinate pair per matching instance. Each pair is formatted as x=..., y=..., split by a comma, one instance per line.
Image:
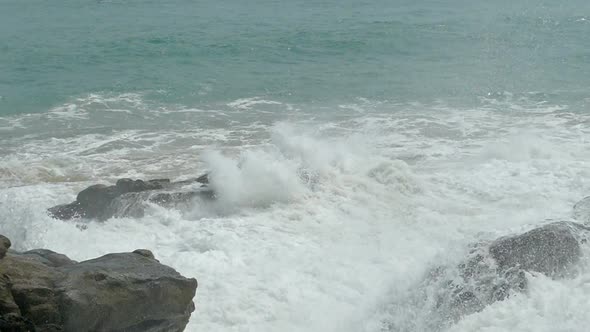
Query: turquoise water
x=208, y=52
x=354, y=147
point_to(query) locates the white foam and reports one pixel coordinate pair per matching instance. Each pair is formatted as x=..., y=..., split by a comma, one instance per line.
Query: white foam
x=320, y=224
x=248, y=103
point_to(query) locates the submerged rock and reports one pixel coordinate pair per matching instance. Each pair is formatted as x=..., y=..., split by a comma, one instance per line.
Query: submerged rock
x=128, y=198
x=45, y=291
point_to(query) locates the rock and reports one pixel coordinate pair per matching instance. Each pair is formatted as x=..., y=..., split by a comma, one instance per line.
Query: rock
x=125, y=292
x=16, y=323
x=172, y=199
x=115, y=292
x=128, y=185
x=7, y=304
x=49, y=258
x=144, y=253
x=95, y=200
x=4, y=245
x=33, y=288
x=204, y=179
x=495, y=270
x=582, y=211
x=128, y=198
x=550, y=249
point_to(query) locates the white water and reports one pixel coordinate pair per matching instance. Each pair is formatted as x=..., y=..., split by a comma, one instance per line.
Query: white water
x=321, y=224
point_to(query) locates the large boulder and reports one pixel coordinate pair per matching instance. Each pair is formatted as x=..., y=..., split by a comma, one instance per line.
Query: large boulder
x=493, y=271
x=45, y=291
x=128, y=198
x=125, y=292
x=551, y=249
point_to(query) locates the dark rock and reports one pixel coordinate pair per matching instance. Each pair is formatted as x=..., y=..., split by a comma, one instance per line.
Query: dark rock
x=128, y=205
x=173, y=199
x=128, y=185
x=495, y=270
x=7, y=304
x=204, y=179
x=4, y=245
x=95, y=199
x=160, y=182
x=33, y=288
x=134, y=204
x=49, y=258
x=67, y=211
x=550, y=249
x=125, y=292
x=128, y=198
x=16, y=323
x=144, y=253
x=41, y=290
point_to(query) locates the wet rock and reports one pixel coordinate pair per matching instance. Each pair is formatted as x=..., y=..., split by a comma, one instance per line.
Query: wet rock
x=128, y=198
x=125, y=292
x=7, y=304
x=49, y=258
x=128, y=185
x=582, y=211
x=16, y=323
x=172, y=199
x=33, y=288
x=495, y=270
x=551, y=249
x=203, y=179
x=144, y=253
x=67, y=211
x=41, y=290
x=4, y=245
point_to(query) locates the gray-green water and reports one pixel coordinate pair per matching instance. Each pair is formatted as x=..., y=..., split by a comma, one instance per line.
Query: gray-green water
x=206, y=52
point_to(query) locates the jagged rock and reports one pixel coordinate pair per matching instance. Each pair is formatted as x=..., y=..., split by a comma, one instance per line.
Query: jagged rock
x=115, y=292
x=128, y=198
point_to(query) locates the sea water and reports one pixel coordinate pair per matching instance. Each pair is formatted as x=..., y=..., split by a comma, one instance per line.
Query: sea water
x=353, y=146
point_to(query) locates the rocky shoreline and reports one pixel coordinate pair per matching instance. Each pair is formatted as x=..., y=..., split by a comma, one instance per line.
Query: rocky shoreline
x=41, y=290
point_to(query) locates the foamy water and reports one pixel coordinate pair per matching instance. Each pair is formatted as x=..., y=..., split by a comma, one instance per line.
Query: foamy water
x=327, y=218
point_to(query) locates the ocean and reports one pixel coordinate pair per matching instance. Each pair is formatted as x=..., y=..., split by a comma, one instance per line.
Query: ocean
x=353, y=146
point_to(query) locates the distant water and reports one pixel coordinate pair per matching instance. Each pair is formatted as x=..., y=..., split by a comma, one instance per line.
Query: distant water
x=354, y=145
x=207, y=52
